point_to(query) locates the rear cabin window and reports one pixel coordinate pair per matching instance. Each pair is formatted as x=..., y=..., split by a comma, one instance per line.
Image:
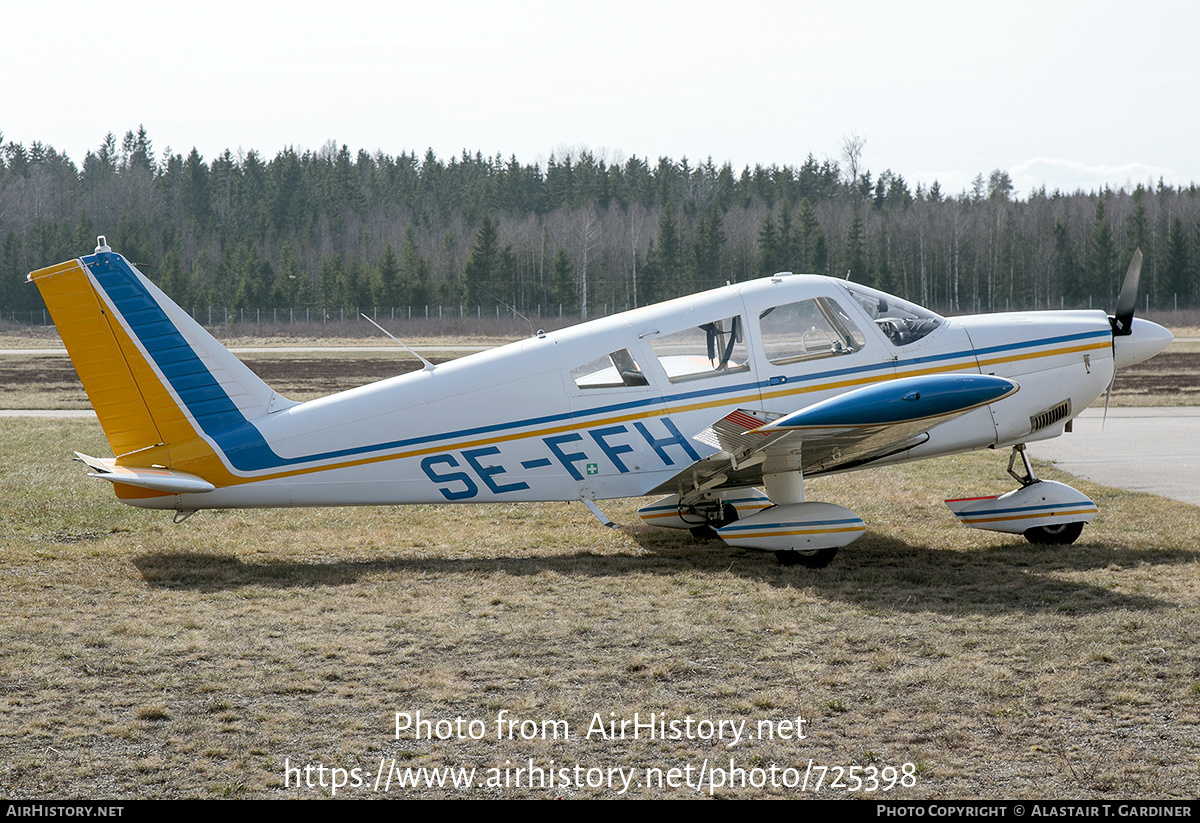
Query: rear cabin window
x=807, y=330
x=611, y=371
x=707, y=350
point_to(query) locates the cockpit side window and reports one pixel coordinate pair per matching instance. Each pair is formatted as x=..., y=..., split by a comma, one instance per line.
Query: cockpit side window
x=707, y=350
x=807, y=330
x=611, y=371
x=902, y=322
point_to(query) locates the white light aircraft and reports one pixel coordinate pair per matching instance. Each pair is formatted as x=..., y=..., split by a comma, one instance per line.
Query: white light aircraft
x=722, y=401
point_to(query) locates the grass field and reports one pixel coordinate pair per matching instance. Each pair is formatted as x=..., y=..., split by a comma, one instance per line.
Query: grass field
x=146, y=659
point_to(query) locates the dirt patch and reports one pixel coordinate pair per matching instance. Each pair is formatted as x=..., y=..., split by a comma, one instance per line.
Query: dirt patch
x=1170, y=373
x=50, y=382
x=304, y=378
x=22, y=373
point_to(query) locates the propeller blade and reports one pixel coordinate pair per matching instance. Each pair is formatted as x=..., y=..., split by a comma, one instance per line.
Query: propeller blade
x=1122, y=319
x=1107, y=397
x=1127, y=301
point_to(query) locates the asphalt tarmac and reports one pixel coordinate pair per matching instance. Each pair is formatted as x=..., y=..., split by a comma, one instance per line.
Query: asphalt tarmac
x=1154, y=450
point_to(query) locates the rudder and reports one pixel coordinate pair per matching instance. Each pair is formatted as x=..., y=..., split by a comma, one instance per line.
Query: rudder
x=155, y=377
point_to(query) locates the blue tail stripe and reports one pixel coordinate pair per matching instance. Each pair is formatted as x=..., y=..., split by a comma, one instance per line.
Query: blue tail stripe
x=195, y=386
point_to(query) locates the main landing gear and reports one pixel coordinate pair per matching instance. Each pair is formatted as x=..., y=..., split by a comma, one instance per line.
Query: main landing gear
x=798, y=533
x=716, y=519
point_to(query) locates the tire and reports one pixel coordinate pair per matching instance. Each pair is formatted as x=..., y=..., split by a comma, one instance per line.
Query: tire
x=1061, y=535
x=815, y=559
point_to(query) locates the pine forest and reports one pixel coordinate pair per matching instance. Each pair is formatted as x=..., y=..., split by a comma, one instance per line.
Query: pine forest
x=576, y=236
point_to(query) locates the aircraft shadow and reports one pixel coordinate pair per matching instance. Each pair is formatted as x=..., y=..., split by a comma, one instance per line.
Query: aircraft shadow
x=877, y=572
x=880, y=571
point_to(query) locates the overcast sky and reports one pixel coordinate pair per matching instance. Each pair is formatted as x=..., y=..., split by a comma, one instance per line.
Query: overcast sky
x=1065, y=94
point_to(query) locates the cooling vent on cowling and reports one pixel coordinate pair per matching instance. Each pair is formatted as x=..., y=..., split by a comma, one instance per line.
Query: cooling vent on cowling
x=1052, y=415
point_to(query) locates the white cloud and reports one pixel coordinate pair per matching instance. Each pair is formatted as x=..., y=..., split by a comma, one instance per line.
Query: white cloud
x=1072, y=175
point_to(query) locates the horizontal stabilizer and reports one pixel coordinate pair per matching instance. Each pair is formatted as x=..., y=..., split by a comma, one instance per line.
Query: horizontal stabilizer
x=163, y=480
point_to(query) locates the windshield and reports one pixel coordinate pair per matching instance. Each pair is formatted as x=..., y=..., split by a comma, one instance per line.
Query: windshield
x=901, y=321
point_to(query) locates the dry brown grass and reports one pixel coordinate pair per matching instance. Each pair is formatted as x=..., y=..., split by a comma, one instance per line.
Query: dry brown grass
x=144, y=659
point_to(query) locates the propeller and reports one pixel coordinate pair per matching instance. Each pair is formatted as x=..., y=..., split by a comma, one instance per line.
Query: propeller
x=1122, y=318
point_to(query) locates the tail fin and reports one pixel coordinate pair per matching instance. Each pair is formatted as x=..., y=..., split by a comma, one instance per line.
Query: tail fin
x=158, y=381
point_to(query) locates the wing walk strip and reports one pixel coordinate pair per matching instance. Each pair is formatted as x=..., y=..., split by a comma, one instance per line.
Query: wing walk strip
x=744, y=420
x=231, y=479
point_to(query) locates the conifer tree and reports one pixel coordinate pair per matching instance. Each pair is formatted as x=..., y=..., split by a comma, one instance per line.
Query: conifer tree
x=562, y=283
x=1064, y=268
x=709, y=239
x=481, y=272
x=1101, y=263
x=1176, y=266
x=665, y=267
x=386, y=285
x=853, y=257
x=1135, y=227
x=768, y=247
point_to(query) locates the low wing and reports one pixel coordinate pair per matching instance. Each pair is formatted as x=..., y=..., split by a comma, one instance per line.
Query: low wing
x=849, y=430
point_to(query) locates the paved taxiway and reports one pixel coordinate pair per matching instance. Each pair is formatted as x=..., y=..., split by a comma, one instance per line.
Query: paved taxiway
x=1155, y=450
